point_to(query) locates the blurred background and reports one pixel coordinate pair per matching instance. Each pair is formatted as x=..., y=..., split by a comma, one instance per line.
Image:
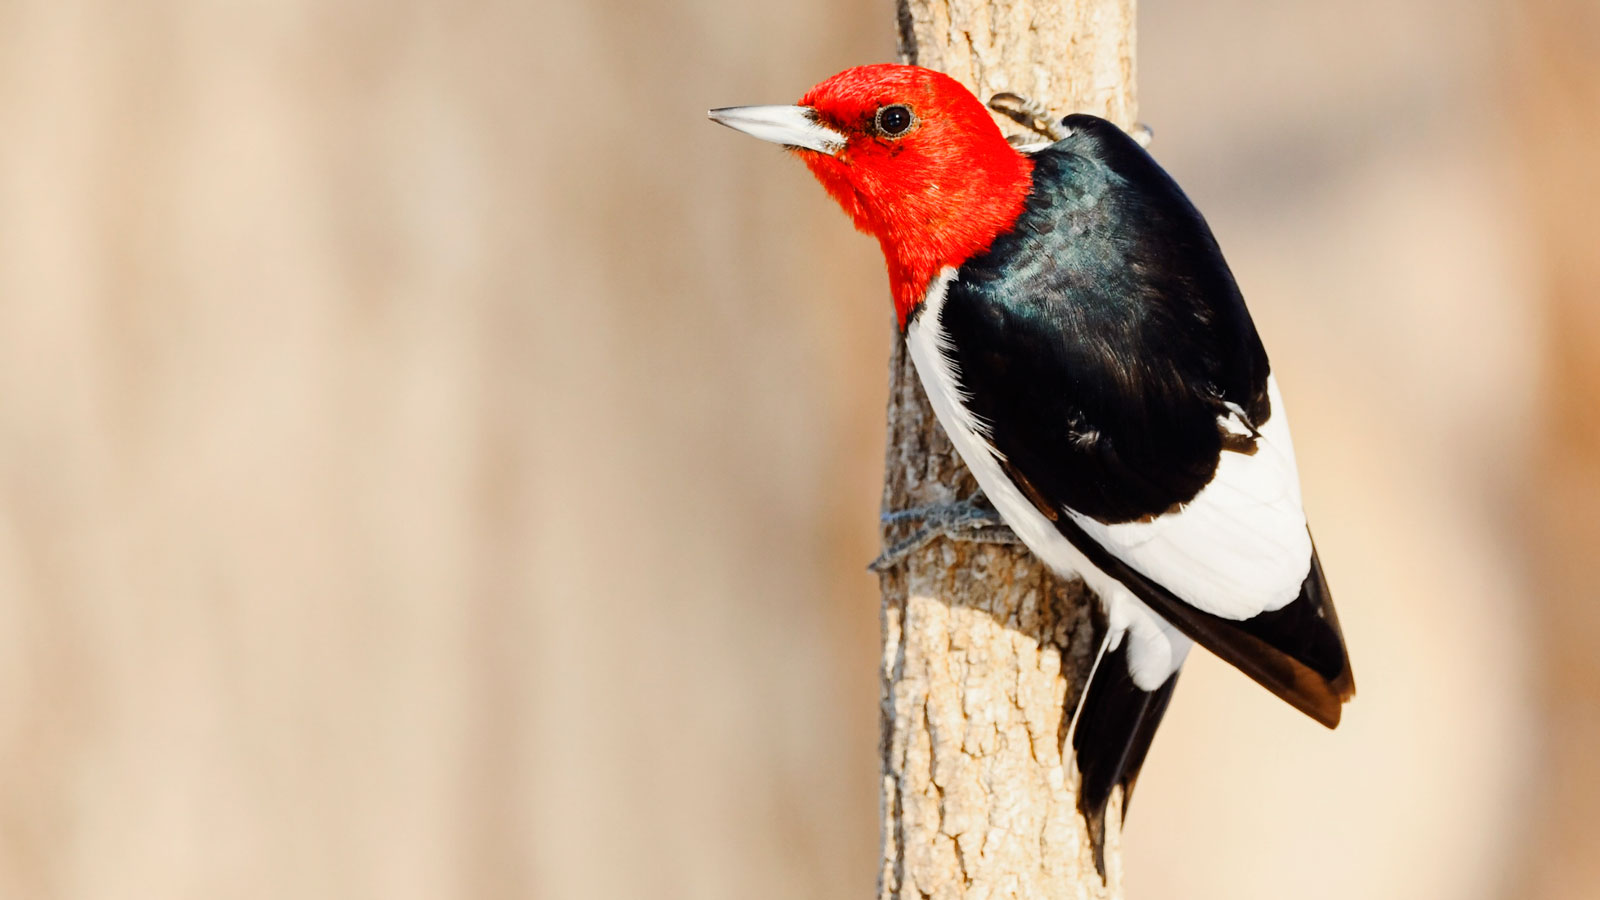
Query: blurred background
x=436, y=462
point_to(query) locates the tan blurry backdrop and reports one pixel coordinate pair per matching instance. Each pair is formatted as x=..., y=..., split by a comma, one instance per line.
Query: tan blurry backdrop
x=435, y=462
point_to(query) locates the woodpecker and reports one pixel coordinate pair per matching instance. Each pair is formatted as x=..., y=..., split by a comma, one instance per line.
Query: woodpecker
x=1086, y=348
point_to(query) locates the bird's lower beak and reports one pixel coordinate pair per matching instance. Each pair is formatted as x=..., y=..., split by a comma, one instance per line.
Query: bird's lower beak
x=793, y=126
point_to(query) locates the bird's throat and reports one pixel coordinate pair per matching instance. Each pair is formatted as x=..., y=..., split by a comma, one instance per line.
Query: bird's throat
x=930, y=210
x=954, y=224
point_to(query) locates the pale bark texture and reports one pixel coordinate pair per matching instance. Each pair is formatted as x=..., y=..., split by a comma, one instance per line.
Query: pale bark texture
x=984, y=649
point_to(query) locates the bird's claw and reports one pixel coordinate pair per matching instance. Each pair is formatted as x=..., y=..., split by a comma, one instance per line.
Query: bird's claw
x=966, y=520
x=1030, y=114
x=1037, y=118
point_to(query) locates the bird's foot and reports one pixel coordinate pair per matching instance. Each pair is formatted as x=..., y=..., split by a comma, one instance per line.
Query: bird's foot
x=971, y=520
x=1036, y=117
x=1030, y=114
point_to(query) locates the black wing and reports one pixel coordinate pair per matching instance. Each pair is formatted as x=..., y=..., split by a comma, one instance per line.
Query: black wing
x=1104, y=344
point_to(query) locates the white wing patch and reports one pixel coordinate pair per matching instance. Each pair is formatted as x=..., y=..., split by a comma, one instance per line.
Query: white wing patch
x=1240, y=547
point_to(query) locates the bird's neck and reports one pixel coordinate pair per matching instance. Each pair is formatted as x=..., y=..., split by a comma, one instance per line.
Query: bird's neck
x=950, y=224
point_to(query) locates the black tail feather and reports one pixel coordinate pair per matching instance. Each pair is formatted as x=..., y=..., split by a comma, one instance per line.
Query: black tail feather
x=1115, y=726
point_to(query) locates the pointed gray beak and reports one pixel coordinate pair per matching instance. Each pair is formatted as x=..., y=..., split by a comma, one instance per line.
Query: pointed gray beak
x=792, y=126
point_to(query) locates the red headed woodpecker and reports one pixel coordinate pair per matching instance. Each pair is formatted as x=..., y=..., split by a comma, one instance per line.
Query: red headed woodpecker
x=1084, y=345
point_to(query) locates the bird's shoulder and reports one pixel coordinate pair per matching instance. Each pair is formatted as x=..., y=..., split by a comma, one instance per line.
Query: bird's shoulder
x=1103, y=338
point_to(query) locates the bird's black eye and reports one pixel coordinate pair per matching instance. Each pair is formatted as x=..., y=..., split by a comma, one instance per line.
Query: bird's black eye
x=893, y=121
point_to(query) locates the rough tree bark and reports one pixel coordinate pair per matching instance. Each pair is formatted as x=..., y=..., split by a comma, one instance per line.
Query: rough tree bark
x=984, y=650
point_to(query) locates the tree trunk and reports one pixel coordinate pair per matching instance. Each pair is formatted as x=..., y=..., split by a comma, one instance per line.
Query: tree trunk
x=985, y=651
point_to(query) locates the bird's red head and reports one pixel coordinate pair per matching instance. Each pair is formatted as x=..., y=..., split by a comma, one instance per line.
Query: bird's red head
x=912, y=156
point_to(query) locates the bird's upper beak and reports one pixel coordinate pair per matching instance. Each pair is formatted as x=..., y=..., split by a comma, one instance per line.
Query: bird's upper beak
x=793, y=126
